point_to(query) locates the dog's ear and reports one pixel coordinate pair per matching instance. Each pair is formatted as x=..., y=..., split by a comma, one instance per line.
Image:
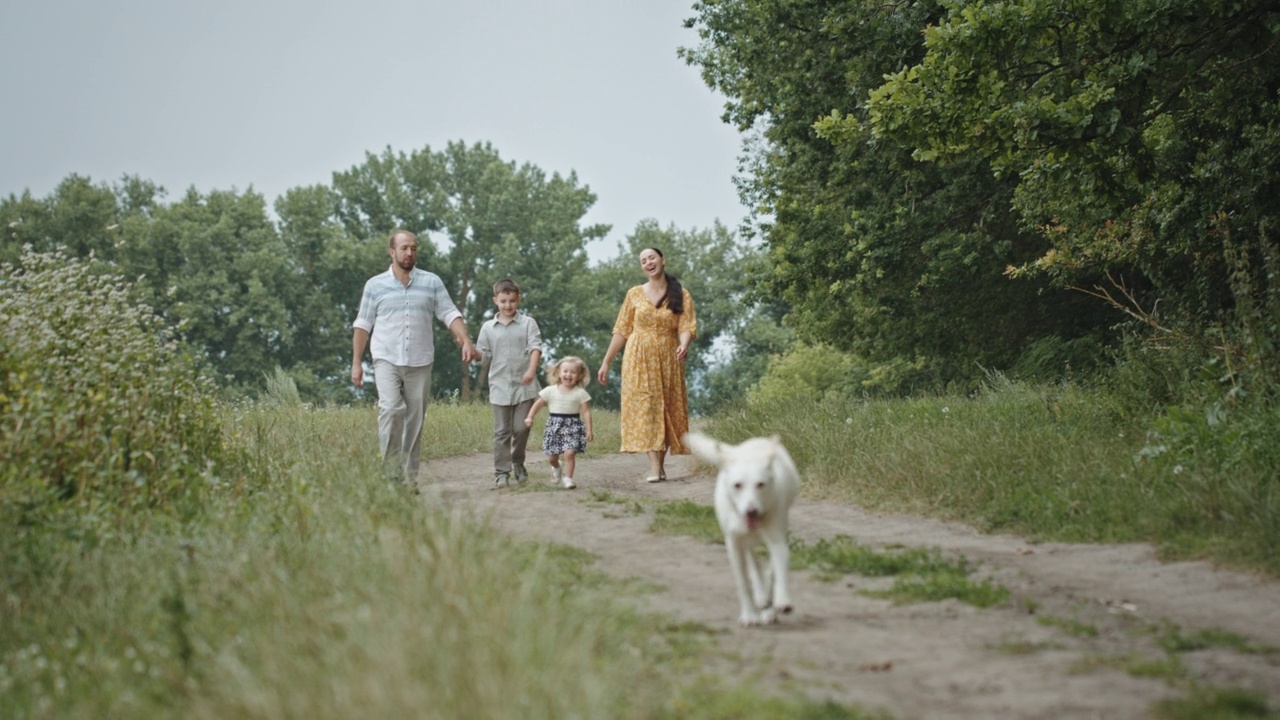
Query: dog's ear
x=775, y=442
x=704, y=448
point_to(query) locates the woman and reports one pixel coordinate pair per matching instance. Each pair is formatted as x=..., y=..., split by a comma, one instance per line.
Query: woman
x=656, y=324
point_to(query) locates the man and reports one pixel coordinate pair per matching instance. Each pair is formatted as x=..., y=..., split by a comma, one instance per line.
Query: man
x=394, y=322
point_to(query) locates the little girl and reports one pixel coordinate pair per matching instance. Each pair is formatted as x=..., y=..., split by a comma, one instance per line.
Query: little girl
x=569, y=427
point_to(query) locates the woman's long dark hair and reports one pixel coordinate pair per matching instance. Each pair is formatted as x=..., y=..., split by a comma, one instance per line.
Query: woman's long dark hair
x=675, y=292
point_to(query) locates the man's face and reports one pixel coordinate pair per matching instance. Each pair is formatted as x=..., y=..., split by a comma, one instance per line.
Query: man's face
x=507, y=302
x=404, y=253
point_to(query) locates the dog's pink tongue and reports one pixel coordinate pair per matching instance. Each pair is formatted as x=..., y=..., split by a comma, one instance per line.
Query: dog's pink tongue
x=753, y=522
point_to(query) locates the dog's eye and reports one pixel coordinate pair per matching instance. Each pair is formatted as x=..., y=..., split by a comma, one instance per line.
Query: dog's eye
x=737, y=486
x=760, y=485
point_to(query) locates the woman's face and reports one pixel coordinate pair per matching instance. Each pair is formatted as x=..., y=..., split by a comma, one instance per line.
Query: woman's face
x=652, y=263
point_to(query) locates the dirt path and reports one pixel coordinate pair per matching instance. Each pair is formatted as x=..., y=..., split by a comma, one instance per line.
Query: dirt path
x=925, y=660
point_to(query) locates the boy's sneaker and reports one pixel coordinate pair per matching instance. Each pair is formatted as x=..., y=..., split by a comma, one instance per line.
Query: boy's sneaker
x=501, y=479
x=520, y=473
x=568, y=483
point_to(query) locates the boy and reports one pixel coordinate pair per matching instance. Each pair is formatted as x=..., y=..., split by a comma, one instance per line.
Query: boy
x=512, y=345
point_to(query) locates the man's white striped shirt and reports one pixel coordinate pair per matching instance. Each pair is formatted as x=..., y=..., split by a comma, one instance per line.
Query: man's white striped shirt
x=398, y=317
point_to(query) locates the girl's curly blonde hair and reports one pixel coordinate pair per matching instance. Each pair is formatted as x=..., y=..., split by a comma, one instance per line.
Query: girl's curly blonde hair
x=584, y=373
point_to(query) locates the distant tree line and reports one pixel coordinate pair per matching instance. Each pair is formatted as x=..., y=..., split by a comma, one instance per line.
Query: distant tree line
x=941, y=189
x=252, y=292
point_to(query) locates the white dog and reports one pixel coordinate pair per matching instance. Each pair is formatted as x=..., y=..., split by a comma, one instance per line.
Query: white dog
x=756, y=486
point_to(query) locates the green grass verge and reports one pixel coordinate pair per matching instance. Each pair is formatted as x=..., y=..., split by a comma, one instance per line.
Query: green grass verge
x=308, y=586
x=922, y=575
x=1056, y=463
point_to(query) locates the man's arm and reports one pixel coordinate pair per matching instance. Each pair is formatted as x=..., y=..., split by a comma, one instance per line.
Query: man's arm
x=359, y=341
x=459, y=330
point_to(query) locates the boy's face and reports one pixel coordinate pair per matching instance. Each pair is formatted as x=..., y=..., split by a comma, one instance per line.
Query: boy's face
x=507, y=302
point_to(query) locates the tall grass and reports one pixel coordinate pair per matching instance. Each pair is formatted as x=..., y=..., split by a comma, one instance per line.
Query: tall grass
x=321, y=592
x=317, y=589
x=1055, y=462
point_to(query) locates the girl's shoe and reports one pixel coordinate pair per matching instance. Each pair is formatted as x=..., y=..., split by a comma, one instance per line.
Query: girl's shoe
x=569, y=484
x=556, y=474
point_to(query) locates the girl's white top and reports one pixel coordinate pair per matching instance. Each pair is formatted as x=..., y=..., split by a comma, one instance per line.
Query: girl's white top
x=564, y=403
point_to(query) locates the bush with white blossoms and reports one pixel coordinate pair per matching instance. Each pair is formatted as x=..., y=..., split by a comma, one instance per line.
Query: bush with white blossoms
x=99, y=405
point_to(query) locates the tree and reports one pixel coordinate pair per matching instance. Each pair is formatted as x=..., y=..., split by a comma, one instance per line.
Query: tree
x=495, y=219
x=213, y=266
x=875, y=252
x=328, y=269
x=79, y=217
x=1139, y=135
x=218, y=266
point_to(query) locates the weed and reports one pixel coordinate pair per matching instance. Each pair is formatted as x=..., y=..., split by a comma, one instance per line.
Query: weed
x=1215, y=704
x=921, y=574
x=943, y=585
x=1174, y=640
x=684, y=517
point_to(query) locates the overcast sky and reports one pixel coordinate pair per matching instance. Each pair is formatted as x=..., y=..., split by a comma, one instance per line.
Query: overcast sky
x=274, y=94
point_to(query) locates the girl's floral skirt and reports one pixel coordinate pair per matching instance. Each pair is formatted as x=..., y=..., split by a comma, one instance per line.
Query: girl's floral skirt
x=564, y=432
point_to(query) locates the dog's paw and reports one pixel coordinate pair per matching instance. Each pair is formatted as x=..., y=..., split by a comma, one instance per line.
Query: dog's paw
x=755, y=619
x=785, y=609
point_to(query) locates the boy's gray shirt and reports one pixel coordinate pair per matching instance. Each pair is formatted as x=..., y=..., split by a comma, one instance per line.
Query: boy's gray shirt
x=506, y=347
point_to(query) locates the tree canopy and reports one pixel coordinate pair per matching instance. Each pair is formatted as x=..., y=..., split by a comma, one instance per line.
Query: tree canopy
x=251, y=293
x=932, y=178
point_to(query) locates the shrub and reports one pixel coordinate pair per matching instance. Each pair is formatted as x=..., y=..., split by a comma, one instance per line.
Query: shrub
x=281, y=389
x=98, y=402
x=821, y=371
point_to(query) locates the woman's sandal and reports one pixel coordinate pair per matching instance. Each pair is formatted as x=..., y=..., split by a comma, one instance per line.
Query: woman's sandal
x=656, y=478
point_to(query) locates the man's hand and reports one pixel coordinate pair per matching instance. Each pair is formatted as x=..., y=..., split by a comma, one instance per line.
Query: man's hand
x=470, y=353
x=357, y=375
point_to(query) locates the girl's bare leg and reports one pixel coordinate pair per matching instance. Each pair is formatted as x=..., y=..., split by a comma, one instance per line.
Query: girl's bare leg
x=570, y=461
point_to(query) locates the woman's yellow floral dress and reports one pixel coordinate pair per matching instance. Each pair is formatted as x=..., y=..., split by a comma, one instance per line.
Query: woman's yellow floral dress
x=655, y=403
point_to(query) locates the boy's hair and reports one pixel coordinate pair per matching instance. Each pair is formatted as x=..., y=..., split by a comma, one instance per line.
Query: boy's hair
x=553, y=372
x=505, y=285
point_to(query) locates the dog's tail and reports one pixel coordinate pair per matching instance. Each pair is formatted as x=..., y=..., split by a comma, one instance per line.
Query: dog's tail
x=704, y=448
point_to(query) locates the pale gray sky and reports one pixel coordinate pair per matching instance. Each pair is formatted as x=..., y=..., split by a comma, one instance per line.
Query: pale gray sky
x=277, y=94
